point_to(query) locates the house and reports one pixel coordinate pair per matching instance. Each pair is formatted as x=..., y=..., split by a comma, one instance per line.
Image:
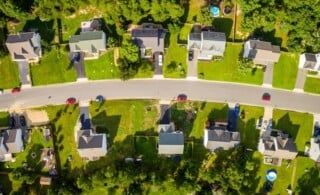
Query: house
x=310, y=61
x=261, y=52
x=10, y=142
x=150, y=39
x=92, y=25
x=91, y=146
x=89, y=42
x=24, y=46
x=314, y=151
x=218, y=137
x=274, y=144
x=208, y=43
x=170, y=142
x=36, y=117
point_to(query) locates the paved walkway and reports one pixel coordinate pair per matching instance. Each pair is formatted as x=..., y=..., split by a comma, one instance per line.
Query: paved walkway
x=268, y=75
x=301, y=78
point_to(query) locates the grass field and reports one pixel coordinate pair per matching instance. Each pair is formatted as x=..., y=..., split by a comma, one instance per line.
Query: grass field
x=285, y=71
x=247, y=126
x=184, y=33
x=175, y=65
x=298, y=125
x=4, y=119
x=194, y=10
x=54, y=67
x=226, y=69
x=9, y=73
x=312, y=85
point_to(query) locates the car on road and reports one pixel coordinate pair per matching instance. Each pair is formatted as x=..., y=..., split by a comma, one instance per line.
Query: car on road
x=160, y=60
x=182, y=97
x=190, y=55
x=266, y=97
x=15, y=90
x=71, y=100
x=22, y=120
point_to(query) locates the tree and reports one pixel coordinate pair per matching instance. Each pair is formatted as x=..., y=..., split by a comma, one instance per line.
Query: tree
x=165, y=9
x=205, y=17
x=129, y=51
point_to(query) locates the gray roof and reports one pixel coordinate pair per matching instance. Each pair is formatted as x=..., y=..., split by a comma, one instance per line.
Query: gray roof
x=214, y=36
x=174, y=138
x=10, y=136
x=263, y=45
x=223, y=136
x=148, y=32
x=286, y=144
x=92, y=141
x=195, y=36
x=20, y=37
x=310, y=57
x=90, y=41
x=165, y=128
x=85, y=36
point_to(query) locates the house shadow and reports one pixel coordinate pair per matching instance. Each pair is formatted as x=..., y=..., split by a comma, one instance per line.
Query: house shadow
x=45, y=29
x=6, y=183
x=269, y=36
x=219, y=114
x=223, y=25
x=285, y=124
x=248, y=131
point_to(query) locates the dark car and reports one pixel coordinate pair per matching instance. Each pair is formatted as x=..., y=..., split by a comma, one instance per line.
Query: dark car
x=100, y=98
x=182, y=97
x=12, y=122
x=71, y=100
x=190, y=55
x=237, y=110
x=22, y=120
x=266, y=97
x=76, y=57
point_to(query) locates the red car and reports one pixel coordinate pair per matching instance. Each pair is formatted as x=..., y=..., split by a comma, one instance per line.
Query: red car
x=71, y=100
x=15, y=90
x=266, y=97
x=182, y=97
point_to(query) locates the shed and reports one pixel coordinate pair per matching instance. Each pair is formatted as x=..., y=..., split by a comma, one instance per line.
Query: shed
x=46, y=181
x=36, y=117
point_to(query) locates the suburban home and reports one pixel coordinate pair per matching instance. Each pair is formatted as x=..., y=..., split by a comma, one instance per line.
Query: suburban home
x=10, y=142
x=275, y=145
x=218, y=137
x=89, y=42
x=261, y=52
x=310, y=61
x=24, y=46
x=150, y=39
x=92, y=25
x=170, y=142
x=91, y=146
x=208, y=43
x=36, y=117
x=314, y=151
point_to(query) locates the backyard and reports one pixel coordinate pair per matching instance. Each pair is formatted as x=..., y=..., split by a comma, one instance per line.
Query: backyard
x=175, y=59
x=312, y=85
x=9, y=73
x=227, y=69
x=285, y=71
x=297, y=124
x=54, y=67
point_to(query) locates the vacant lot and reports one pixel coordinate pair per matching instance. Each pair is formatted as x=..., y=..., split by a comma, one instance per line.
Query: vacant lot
x=285, y=71
x=227, y=69
x=9, y=73
x=312, y=85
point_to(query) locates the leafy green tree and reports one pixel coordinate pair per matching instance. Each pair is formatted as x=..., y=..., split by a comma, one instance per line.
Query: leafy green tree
x=165, y=9
x=129, y=51
x=205, y=17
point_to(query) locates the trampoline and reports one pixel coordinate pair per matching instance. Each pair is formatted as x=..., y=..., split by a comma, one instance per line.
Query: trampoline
x=215, y=11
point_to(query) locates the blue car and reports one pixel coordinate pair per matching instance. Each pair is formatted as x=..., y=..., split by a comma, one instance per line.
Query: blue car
x=76, y=58
x=237, y=110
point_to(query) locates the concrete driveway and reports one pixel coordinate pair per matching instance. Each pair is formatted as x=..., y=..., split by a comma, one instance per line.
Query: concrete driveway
x=301, y=79
x=79, y=66
x=268, y=75
x=24, y=74
x=192, y=66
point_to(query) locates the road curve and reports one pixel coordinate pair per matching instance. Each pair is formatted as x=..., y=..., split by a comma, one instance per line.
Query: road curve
x=167, y=89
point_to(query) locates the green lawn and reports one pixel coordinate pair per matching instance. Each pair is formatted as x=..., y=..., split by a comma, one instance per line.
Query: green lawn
x=226, y=69
x=4, y=119
x=54, y=67
x=175, y=59
x=285, y=71
x=312, y=85
x=102, y=68
x=298, y=125
x=9, y=73
x=247, y=126
x=64, y=120
x=146, y=70
x=303, y=163
x=184, y=33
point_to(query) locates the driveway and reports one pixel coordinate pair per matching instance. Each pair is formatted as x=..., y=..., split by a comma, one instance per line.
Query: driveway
x=301, y=79
x=79, y=66
x=24, y=73
x=192, y=65
x=157, y=68
x=268, y=75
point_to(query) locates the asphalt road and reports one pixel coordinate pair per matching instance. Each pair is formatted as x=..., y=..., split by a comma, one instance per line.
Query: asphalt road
x=160, y=89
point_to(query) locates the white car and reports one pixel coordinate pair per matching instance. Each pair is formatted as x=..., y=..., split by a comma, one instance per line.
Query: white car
x=160, y=60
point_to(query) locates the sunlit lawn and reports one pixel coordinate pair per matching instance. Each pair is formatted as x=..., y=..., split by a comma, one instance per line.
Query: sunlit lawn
x=185, y=30
x=194, y=9
x=9, y=73
x=285, y=71
x=312, y=85
x=226, y=69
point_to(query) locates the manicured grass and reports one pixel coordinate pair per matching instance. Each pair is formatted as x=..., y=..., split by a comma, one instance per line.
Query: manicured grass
x=247, y=126
x=298, y=125
x=224, y=24
x=9, y=73
x=312, y=85
x=54, y=67
x=175, y=65
x=146, y=70
x=4, y=119
x=226, y=69
x=285, y=71
x=64, y=120
x=194, y=9
x=185, y=30
x=192, y=124
x=102, y=68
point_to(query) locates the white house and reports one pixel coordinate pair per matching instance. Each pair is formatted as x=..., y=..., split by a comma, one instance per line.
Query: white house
x=310, y=61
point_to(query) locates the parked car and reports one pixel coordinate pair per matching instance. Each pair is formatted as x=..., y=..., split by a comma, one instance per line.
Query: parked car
x=190, y=55
x=160, y=60
x=71, y=100
x=266, y=97
x=15, y=90
x=182, y=97
x=76, y=57
x=237, y=110
x=22, y=120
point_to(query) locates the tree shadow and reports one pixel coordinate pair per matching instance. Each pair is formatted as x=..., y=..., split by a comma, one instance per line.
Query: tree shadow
x=34, y=162
x=223, y=25
x=309, y=182
x=45, y=28
x=260, y=34
x=6, y=183
x=219, y=114
x=248, y=132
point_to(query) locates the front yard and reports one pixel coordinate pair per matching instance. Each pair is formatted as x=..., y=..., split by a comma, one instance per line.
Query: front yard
x=299, y=125
x=9, y=73
x=54, y=67
x=4, y=119
x=312, y=85
x=227, y=69
x=285, y=71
